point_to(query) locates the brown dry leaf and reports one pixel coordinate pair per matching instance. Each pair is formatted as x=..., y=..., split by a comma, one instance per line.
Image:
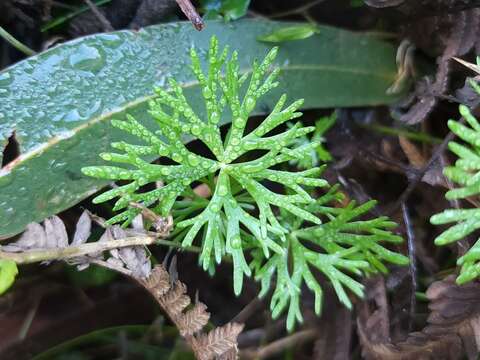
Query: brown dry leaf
x=176, y=300
x=434, y=175
x=219, y=343
x=83, y=229
x=194, y=319
x=158, y=283
x=229, y=355
x=467, y=95
x=56, y=233
x=53, y=235
x=453, y=329
x=133, y=258
x=414, y=155
x=33, y=237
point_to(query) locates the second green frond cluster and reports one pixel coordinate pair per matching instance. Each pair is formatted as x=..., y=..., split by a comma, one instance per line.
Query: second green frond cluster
x=257, y=210
x=466, y=173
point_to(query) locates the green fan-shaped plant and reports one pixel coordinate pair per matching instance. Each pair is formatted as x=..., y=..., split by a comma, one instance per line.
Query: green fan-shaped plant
x=258, y=206
x=466, y=173
x=339, y=248
x=218, y=91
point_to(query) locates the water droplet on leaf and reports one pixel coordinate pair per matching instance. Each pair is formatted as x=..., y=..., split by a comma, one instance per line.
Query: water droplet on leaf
x=87, y=58
x=236, y=242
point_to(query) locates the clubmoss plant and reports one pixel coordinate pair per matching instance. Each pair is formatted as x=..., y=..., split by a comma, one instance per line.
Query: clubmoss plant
x=258, y=207
x=466, y=173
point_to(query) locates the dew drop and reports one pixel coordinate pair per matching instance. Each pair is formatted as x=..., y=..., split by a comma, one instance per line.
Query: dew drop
x=196, y=130
x=165, y=171
x=5, y=79
x=193, y=160
x=188, y=113
x=87, y=58
x=106, y=156
x=214, y=117
x=207, y=92
x=208, y=136
x=239, y=123
x=253, y=168
x=222, y=190
x=110, y=40
x=236, y=242
x=177, y=157
x=72, y=115
x=249, y=145
x=249, y=104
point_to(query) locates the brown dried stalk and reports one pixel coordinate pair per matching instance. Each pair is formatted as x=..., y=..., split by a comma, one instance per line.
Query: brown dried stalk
x=191, y=13
x=219, y=343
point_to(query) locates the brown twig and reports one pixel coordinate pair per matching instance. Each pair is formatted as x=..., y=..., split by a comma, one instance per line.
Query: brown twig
x=248, y=311
x=32, y=256
x=413, y=262
x=191, y=13
x=107, y=26
x=280, y=345
x=298, y=10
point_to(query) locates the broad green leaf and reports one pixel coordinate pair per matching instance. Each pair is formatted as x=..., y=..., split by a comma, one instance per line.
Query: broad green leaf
x=8, y=272
x=289, y=33
x=58, y=104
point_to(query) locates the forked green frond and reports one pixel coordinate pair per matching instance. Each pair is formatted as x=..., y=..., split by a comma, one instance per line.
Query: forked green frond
x=221, y=87
x=341, y=249
x=466, y=173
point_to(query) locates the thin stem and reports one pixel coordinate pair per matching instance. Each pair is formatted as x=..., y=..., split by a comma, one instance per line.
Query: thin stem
x=77, y=11
x=178, y=245
x=281, y=345
x=107, y=26
x=191, y=13
x=15, y=43
x=297, y=10
x=412, y=135
x=413, y=262
x=32, y=256
x=109, y=266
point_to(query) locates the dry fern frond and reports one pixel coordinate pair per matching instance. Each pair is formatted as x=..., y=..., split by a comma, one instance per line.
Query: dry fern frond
x=175, y=300
x=453, y=329
x=194, y=319
x=219, y=343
